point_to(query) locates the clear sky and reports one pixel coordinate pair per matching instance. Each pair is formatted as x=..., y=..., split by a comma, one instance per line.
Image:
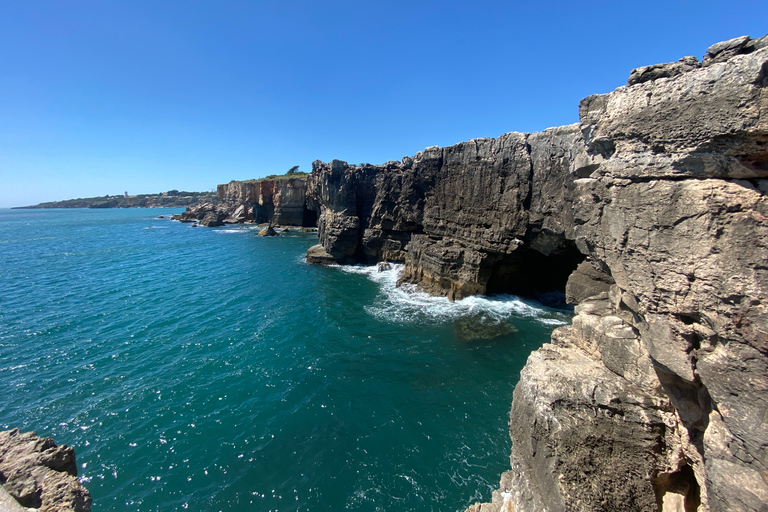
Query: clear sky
x=103, y=97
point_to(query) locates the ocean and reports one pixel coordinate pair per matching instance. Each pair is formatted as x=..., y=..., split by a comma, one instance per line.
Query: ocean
x=214, y=370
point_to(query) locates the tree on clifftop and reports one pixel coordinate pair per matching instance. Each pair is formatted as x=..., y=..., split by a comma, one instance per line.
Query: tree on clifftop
x=293, y=170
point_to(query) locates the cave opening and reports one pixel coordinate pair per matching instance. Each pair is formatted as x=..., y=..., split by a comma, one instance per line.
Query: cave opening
x=309, y=218
x=678, y=490
x=529, y=273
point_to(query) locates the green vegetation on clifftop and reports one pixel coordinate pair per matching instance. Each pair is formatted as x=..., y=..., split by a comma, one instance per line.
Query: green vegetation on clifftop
x=170, y=199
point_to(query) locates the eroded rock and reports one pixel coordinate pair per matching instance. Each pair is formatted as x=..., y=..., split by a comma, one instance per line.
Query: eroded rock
x=39, y=474
x=656, y=397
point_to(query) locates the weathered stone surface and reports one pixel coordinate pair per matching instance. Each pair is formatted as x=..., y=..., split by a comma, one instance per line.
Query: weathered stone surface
x=586, y=282
x=212, y=220
x=465, y=219
x=39, y=474
x=268, y=231
x=656, y=397
x=656, y=71
x=685, y=320
x=279, y=201
x=709, y=122
x=317, y=254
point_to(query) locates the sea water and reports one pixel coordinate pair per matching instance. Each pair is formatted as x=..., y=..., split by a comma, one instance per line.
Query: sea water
x=214, y=370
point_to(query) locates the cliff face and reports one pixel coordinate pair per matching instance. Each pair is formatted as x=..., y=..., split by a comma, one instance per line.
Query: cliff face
x=279, y=201
x=467, y=219
x=656, y=397
x=37, y=473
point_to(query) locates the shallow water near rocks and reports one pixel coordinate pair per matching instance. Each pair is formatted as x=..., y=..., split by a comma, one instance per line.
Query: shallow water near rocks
x=212, y=369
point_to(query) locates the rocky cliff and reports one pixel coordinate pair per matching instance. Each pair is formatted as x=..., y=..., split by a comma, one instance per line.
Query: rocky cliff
x=652, y=215
x=280, y=201
x=478, y=217
x=37, y=474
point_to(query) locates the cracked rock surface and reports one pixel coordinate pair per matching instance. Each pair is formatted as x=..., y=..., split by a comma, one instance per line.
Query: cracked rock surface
x=38, y=474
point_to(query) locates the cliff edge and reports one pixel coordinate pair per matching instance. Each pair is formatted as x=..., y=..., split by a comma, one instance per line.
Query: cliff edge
x=651, y=215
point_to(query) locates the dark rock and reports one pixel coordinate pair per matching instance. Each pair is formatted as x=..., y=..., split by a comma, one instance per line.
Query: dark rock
x=481, y=327
x=212, y=220
x=724, y=50
x=268, y=231
x=40, y=474
x=458, y=216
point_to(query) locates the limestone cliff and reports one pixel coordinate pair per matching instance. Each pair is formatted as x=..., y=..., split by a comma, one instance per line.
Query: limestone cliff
x=478, y=217
x=656, y=397
x=280, y=201
x=37, y=474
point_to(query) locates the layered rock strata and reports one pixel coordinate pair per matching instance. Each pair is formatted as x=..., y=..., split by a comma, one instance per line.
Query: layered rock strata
x=656, y=397
x=478, y=217
x=37, y=474
x=281, y=202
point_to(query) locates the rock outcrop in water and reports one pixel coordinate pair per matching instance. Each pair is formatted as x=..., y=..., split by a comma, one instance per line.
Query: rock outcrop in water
x=281, y=202
x=38, y=474
x=654, y=208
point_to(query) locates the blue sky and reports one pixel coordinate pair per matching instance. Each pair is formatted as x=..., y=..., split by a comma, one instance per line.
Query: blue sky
x=102, y=97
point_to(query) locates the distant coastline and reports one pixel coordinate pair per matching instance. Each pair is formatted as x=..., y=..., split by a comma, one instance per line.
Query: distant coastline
x=170, y=199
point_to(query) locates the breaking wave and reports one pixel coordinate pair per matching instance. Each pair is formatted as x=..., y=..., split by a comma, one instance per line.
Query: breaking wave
x=407, y=304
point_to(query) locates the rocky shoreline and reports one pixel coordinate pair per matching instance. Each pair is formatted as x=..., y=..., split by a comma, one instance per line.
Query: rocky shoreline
x=651, y=214
x=278, y=202
x=37, y=474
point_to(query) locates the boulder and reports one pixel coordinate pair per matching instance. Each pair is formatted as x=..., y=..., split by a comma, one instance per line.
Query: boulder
x=268, y=231
x=38, y=473
x=318, y=255
x=211, y=220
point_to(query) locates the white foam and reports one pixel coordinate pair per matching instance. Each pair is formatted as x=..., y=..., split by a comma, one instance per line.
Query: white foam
x=407, y=304
x=239, y=230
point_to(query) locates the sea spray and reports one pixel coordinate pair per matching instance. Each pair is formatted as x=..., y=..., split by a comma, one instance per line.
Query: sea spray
x=407, y=304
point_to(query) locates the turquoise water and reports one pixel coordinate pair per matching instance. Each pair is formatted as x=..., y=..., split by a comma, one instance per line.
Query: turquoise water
x=211, y=369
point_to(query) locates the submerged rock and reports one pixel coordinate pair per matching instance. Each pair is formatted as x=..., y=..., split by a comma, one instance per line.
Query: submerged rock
x=481, y=327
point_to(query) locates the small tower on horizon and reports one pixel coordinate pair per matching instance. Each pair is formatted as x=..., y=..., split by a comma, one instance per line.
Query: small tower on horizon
x=126, y=193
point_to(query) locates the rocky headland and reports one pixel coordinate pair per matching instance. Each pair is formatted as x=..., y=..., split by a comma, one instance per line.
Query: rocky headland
x=651, y=215
x=170, y=199
x=279, y=201
x=36, y=474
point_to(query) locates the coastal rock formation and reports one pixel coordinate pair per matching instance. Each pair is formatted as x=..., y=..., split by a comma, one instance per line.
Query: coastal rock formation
x=478, y=217
x=38, y=474
x=281, y=202
x=651, y=214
